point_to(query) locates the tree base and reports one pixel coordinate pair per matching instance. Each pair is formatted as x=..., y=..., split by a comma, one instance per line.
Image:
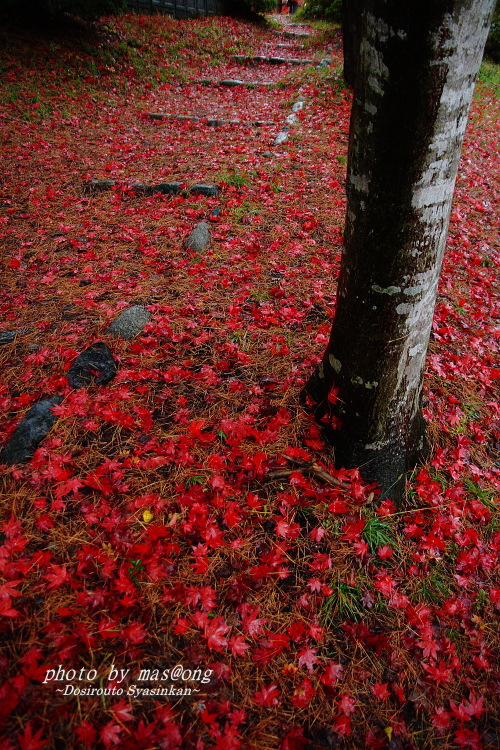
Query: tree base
x=386, y=466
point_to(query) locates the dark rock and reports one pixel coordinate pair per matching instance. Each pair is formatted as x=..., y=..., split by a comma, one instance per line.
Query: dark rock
x=101, y=184
x=7, y=337
x=214, y=214
x=30, y=432
x=167, y=188
x=94, y=366
x=199, y=237
x=215, y=123
x=204, y=190
x=276, y=60
x=130, y=322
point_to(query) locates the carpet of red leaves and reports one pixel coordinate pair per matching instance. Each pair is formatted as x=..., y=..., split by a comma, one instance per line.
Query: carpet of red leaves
x=165, y=519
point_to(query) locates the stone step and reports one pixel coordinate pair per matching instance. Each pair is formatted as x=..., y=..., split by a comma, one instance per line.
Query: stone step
x=233, y=82
x=166, y=188
x=271, y=60
x=210, y=121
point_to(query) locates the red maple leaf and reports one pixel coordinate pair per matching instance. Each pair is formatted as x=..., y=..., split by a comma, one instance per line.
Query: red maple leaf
x=347, y=704
x=294, y=740
x=332, y=673
x=267, y=695
x=238, y=645
x=122, y=711
x=110, y=734
x=303, y=694
x=380, y=691
x=308, y=658
x=342, y=725
x=468, y=738
x=441, y=718
x=439, y=673
x=57, y=575
x=250, y=624
x=134, y=633
x=86, y=734
x=29, y=741
x=214, y=632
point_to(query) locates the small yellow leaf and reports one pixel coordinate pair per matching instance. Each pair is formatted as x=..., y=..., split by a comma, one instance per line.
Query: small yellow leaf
x=147, y=516
x=388, y=731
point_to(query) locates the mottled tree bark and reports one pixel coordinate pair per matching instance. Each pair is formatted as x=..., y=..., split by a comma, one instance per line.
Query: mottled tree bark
x=352, y=13
x=417, y=67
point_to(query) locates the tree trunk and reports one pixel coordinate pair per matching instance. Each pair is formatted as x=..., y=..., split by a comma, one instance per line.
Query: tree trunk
x=352, y=12
x=417, y=67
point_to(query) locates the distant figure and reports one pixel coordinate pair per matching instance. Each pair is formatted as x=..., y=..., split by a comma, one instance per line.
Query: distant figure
x=293, y=5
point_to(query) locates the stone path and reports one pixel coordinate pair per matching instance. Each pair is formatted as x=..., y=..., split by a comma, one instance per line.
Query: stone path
x=241, y=98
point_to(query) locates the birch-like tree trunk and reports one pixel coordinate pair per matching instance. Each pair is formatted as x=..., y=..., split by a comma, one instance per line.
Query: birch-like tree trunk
x=417, y=67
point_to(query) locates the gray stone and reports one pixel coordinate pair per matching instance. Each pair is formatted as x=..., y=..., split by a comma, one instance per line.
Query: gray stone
x=281, y=138
x=276, y=60
x=130, y=322
x=30, y=432
x=201, y=189
x=171, y=116
x=101, y=184
x=231, y=82
x=199, y=237
x=94, y=366
x=267, y=154
x=7, y=337
x=167, y=188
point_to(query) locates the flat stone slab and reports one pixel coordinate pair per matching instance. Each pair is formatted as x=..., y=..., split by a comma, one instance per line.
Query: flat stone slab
x=213, y=122
x=167, y=188
x=270, y=60
x=286, y=45
x=130, y=322
x=199, y=238
x=94, y=366
x=201, y=189
x=30, y=432
x=233, y=82
x=101, y=184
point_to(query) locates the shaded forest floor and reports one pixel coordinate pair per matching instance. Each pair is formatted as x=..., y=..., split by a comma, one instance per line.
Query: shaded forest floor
x=171, y=516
